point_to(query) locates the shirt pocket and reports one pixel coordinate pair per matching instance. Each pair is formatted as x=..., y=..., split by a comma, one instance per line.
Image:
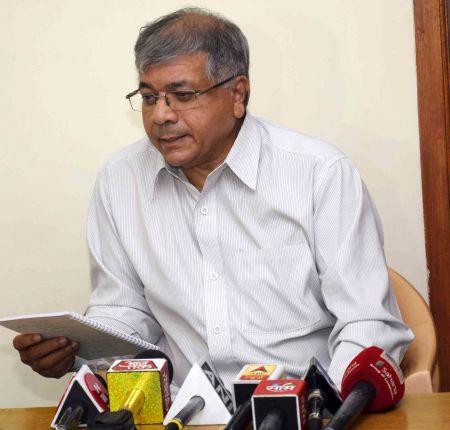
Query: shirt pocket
x=273, y=290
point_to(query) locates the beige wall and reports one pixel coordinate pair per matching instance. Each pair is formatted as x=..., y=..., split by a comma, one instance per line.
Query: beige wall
x=341, y=70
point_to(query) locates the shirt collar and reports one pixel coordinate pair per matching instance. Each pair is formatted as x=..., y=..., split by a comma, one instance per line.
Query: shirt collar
x=243, y=158
x=158, y=164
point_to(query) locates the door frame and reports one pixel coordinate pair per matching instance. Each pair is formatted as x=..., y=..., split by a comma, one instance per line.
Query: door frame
x=432, y=58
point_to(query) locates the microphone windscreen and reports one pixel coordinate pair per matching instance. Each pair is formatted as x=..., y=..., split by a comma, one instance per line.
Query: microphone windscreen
x=120, y=420
x=374, y=366
x=141, y=386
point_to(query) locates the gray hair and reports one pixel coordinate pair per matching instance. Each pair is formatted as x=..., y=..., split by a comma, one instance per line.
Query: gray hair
x=194, y=30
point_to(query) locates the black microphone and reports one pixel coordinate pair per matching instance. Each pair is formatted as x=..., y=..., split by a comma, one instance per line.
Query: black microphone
x=371, y=382
x=274, y=420
x=70, y=419
x=353, y=406
x=243, y=387
x=120, y=420
x=241, y=418
x=194, y=406
x=322, y=394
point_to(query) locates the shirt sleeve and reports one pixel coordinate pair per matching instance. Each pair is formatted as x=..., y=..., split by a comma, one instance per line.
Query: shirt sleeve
x=117, y=297
x=352, y=268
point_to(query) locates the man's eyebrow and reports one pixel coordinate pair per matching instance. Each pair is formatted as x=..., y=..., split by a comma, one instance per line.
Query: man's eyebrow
x=177, y=84
x=169, y=87
x=145, y=85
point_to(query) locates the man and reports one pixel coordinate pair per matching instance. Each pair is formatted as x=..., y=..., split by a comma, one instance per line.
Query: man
x=223, y=235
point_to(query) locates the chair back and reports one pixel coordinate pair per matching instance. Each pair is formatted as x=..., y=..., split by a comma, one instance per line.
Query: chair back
x=419, y=363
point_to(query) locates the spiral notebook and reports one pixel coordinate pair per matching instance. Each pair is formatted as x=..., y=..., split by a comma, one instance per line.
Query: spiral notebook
x=95, y=340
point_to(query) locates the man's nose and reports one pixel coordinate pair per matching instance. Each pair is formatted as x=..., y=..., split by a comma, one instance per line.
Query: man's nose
x=163, y=113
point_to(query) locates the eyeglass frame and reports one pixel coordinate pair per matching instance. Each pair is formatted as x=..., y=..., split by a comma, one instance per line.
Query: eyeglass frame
x=196, y=93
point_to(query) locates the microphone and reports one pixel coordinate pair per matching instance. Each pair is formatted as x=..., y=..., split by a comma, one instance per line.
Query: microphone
x=195, y=405
x=243, y=387
x=203, y=381
x=139, y=393
x=241, y=418
x=70, y=419
x=250, y=376
x=322, y=394
x=83, y=399
x=120, y=420
x=279, y=404
x=157, y=353
x=372, y=382
x=274, y=420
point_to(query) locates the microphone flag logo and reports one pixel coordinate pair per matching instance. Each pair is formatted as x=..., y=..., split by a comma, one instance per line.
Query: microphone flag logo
x=285, y=387
x=137, y=364
x=257, y=371
x=97, y=390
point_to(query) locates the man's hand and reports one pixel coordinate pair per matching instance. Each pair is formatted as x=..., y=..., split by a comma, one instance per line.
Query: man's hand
x=51, y=358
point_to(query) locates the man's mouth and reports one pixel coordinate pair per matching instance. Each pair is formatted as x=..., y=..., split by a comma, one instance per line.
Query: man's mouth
x=170, y=139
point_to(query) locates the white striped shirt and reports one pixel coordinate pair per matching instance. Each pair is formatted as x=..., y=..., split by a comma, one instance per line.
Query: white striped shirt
x=278, y=259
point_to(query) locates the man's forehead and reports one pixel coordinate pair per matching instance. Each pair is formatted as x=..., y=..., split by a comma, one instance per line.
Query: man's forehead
x=181, y=71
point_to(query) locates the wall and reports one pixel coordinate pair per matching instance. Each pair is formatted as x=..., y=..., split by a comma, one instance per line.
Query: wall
x=343, y=71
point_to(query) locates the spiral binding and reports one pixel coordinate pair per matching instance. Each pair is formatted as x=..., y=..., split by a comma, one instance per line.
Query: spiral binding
x=117, y=333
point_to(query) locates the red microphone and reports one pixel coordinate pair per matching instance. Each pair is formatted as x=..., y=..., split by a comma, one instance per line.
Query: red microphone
x=84, y=398
x=372, y=382
x=279, y=404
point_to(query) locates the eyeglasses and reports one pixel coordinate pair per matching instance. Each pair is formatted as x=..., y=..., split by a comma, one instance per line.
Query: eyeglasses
x=142, y=101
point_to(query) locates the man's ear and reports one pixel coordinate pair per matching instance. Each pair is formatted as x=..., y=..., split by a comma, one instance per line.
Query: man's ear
x=241, y=94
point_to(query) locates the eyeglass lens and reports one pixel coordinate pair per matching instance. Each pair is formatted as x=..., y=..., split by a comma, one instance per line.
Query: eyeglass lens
x=177, y=100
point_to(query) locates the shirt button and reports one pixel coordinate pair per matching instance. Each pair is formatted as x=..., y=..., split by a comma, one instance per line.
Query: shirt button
x=213, y=276
x=204, y=210
x=217, y=329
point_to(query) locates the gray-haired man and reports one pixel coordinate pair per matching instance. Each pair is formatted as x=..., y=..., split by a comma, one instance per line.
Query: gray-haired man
x=224, y=235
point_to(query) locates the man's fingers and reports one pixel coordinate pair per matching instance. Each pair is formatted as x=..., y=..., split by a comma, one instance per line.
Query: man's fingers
x=60, y=369
x=54, y=359
x=24, y=341
x=42, y=349
x=51, y=357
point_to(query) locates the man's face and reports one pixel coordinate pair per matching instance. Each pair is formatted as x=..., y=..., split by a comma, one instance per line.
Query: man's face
x=195, y=138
